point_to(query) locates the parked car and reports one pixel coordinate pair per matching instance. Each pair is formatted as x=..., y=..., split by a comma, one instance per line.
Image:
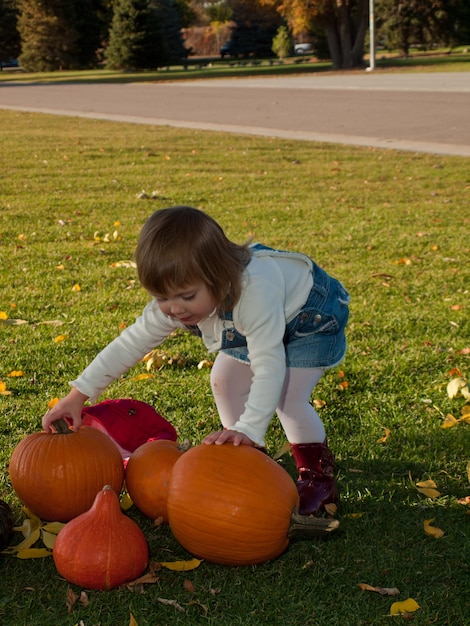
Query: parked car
x=303, y=48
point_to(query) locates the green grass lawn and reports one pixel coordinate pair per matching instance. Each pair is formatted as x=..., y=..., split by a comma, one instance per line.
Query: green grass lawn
x=457, y=60
x=392, y=226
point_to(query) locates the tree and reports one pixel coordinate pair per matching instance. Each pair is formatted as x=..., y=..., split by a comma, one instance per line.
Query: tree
x=282, y=43
x=345, y=23
x=170, y=32
x=10, y=43
x=48, y=35
x=92, y=26
x=423, y=22
x=256, y=25
x=135, y=37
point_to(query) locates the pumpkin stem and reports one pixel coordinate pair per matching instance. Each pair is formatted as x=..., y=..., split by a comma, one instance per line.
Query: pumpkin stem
x=309, y=526
x=62, y=427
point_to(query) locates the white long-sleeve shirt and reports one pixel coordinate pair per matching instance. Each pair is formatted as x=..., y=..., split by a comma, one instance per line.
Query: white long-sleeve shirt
x=274, y=290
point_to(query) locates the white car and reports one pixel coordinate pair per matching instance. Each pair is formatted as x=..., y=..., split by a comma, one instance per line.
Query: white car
x=303, y=48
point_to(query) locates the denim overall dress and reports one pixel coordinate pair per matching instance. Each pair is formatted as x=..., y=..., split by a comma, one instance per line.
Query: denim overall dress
x=315, y=337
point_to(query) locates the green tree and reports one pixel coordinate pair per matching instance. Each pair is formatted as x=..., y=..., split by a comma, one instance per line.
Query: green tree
x=422, y=22
x=92, y=23
x=10, y=42
x=282, y=43
x=48, y=35
x=135, y=37
x=170, y=33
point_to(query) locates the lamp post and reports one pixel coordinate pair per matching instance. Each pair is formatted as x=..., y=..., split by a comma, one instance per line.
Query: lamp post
x=371, y=36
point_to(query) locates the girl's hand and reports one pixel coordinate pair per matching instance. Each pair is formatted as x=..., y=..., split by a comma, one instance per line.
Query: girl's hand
x=228, y=436
x=69, y=407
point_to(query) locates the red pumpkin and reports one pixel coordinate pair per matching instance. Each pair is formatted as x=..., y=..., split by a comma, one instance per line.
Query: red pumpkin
x=233, y=505
x=148, y=475
x=102, y=548
x=57, y=476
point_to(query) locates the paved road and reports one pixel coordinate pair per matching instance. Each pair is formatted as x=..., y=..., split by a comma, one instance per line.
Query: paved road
x=427, y=112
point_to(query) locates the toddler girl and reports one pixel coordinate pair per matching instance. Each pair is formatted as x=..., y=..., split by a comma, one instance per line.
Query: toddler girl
x=275, y=318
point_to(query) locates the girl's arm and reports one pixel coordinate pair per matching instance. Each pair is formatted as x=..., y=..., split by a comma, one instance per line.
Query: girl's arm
x=149, y=330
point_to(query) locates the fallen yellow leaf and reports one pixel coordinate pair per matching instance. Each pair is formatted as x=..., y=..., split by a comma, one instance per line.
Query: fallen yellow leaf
x=205, y=363
x=16, y=373
x=33, y=529
x=143, y=377
x=52, y=402
x=407, y=606
x=126, y=502
x=449, y=421
x=282, y=450
x=3, y=389
x=60, y=338
x=181, y=566
x=428, y=488
x=132, y=621
x=76, y=287
x=454, y=386
x=34, y=553
x=385, y=437
x=432, y=531
x=3, y=315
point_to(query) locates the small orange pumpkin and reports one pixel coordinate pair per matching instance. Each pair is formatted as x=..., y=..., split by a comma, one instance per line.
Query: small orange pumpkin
x=102, y=548
x=148, y=475
x=57, y=476
x=233, y=505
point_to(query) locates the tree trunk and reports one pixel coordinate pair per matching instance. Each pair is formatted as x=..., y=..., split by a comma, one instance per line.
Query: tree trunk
x=334, y=43
x=362, y=26
x=346, y=31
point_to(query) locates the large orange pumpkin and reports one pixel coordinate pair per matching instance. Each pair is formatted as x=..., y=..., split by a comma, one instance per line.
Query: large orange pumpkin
x=148, y=475
x=102, y=548
x=233, y=505
x=57, y=476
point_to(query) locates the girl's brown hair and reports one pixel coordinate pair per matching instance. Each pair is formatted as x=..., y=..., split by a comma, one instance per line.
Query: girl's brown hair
x=180, y=246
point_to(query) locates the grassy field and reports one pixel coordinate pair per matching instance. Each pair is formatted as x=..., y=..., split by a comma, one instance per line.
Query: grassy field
x=457, y=60
x=392, y=226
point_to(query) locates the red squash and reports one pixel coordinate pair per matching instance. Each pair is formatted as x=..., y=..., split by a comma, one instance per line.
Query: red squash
x=102, y=548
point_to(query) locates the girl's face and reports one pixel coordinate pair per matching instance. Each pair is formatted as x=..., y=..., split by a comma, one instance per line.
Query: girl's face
x=189, y=305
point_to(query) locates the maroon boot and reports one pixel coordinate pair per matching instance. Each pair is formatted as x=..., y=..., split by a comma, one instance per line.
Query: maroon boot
x=316, y=483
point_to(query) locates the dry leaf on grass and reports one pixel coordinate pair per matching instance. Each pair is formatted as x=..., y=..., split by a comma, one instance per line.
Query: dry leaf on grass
x=181, y=566
x=173, y=603
x=383, y=591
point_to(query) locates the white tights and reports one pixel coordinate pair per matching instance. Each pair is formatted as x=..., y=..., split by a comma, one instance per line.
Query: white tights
x=231, y=381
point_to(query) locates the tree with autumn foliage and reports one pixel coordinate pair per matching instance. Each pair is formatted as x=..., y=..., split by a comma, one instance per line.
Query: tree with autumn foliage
x=48, y=35
x=345, y=23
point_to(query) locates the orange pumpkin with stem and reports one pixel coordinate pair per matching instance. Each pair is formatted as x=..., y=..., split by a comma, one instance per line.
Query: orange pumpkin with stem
x=233, y=505
x=102, y=548
x=148, y=475
x=57, y=476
